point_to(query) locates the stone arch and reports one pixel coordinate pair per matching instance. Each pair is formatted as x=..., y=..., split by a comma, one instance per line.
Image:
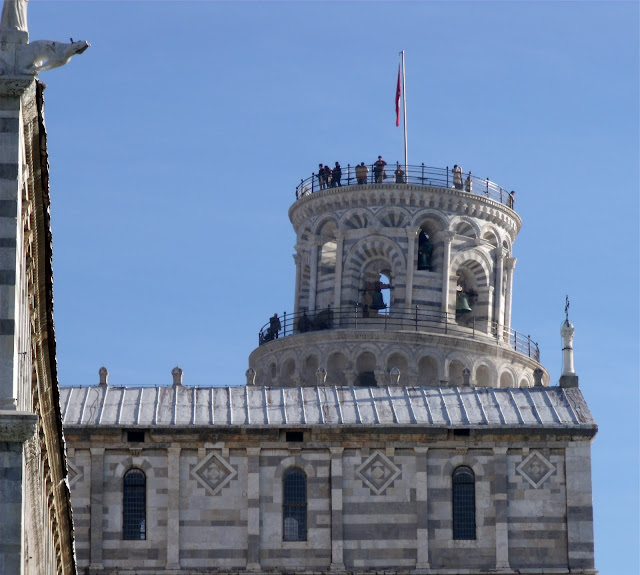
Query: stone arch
x=393, y=217
x=525, y=380
x=454, y=372
x=337, y=364
x=326, y=226
x=367, y=259
x=428, y=370
x=375, y=248
x=483, y=376
x=506, y=245
x=309, y=368
x=508, y=378
x=467, y=227
x=398, y=359
x=287, y=372
x=356, y=219
x=130, y=462
x=366, y=365
x=490, y=235
x=472, y=271
x=432, y=220
x=284, y=465
x=457, y=460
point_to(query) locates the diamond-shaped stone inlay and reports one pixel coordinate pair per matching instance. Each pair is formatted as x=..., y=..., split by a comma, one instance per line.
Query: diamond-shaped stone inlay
x=536, y=469
x=378, y=472
x=213, y=473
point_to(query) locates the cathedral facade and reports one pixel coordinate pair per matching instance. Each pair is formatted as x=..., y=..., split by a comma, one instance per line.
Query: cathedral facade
x=392, y=421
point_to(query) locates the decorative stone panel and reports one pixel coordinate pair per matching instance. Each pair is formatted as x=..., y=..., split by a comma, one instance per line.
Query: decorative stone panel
x=536, y=469
x=378, y=472
x=213, y=473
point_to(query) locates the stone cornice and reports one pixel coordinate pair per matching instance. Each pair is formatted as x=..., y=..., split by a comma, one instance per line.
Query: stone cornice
x=17, y=426
x=404, y=196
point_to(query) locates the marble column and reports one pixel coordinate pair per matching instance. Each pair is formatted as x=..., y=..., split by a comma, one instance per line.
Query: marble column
x=253, y=509
x=337, y=525
x=173, y=511
x=297, y=258
x=509, y=264
x=498, y=299
x=447, y=238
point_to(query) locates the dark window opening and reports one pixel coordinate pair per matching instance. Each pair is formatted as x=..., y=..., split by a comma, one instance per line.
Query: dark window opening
x=295, y=436
x=464, y=504
x=367, y=379
x=134, y=505
x=462, y=433
x=294, y=505
x=135, y=436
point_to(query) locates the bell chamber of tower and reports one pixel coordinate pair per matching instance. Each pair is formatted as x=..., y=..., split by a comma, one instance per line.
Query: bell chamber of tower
x=405, y=283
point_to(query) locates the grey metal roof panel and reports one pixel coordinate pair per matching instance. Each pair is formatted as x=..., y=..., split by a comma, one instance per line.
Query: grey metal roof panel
x=179, y=406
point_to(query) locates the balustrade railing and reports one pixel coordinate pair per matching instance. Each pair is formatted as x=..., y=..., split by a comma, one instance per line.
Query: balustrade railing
x=361, y=317
x=416, y=175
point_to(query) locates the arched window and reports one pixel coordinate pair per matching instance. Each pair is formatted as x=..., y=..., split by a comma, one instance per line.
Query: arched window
x=134, y=505
x=294, y=505
x=464, y=504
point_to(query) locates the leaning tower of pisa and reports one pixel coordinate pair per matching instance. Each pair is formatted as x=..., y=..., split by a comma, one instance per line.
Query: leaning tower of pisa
x=402, y=280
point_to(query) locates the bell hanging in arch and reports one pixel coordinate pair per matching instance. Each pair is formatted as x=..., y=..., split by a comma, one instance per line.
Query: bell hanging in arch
x=462, y=304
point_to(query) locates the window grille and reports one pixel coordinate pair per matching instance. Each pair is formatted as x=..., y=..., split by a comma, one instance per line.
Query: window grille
x=464, y=504
x=134, y=505
x=294, y=505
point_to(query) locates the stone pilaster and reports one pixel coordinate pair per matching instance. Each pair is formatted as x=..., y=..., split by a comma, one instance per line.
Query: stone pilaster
x=253, y=509
x=173, y=510
x=422, y=534
x=579, y=505
x=501, y=502
x=97, y=497
x=17, y=109
x=337, y=525
x=15, y=428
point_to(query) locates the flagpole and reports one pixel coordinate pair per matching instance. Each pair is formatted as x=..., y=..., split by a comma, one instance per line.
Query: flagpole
x=404, y=109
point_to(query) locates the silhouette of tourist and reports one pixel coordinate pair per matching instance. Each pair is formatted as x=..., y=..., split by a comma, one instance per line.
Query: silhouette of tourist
x=378, y=170
x=336, y=175
x=361, y=173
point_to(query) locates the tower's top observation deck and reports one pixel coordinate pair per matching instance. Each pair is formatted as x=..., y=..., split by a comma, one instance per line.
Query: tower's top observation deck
x=419, y=175
x=418, y=187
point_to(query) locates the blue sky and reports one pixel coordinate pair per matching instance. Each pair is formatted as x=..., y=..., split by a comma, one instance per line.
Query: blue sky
x=176, y=142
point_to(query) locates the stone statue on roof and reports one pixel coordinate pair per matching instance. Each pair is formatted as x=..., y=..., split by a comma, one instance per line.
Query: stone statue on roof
x=18, y=56
x=14, y=16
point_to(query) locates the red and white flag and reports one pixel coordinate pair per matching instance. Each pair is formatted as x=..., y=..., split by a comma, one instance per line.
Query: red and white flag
x=398, y=92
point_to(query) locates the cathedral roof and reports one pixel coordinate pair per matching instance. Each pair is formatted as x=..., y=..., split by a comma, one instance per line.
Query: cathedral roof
x=384, y=406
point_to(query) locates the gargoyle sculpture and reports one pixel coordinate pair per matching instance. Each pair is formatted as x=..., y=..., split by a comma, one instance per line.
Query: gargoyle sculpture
x=20, y=57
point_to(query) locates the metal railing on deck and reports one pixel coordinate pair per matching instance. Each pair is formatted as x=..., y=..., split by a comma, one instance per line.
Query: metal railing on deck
x=416, y=175
x=360, y=317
